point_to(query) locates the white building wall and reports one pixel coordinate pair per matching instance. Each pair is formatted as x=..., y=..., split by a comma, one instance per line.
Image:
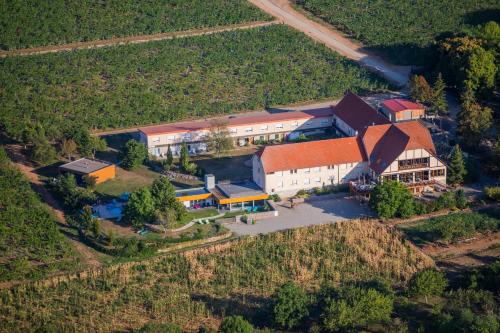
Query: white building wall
x=157, y=144
x=289, y=182
x=346, y=129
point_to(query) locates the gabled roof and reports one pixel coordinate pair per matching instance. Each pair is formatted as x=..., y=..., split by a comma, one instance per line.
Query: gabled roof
x=384, y=143
x=399, y=105
x=357, y=113
x=264, y=117
x=310, y=154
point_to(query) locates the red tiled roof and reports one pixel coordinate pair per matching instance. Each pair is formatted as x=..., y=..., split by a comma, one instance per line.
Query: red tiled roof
x=398, y=105
x=357, y=113
x=310, y=154
x=384, y=143
x=265, y=117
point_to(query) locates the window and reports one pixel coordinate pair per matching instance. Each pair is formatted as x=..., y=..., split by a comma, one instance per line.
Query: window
x=295, y=124
x=317, y=180
x=171, y=138
x=279, y=125
x=318, y=169
x=249, y=129
x=263, y=128
x=350, y=165
x=342, y=166
x=414, y=163
x=294, y=182
x=157, y=139
x=307, y=170
x=406, y=177
x=306, y=181
x=437, y=173
x=293, y=171
x=331, y=178
x=233, y=130
x=280, y=184
x=331, y=167
x=279, y=173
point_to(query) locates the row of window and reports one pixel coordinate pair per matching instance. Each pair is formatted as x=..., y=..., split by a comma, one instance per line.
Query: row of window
x=315, y=169
x=187, y=136
x=307, y=181
x=414, y=162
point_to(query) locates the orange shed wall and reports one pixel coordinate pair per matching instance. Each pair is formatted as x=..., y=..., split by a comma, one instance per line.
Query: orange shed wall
x=104, y=174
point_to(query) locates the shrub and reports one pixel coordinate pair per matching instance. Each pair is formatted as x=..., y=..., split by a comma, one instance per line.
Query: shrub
x=492, y=193
x=390, y=199
x=133, y=154
x=428, y=282
x=289, y=306
x=235, y=324
x=356, y=307
x=275, y=197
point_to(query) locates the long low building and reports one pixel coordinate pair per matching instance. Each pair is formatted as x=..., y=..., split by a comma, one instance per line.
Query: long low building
x=245, y=129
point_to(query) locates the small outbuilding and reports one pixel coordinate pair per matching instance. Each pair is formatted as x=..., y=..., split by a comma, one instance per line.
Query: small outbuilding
x=402, y=109
x=100, y=170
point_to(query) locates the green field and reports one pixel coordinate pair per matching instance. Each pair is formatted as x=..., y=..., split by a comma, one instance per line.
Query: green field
x=34, y=23
x=31, y=245
x=402, y=30
x=200, y=286
x=170, y=80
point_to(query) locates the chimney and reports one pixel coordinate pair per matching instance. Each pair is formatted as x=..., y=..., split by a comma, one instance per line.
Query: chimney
x=209, y=181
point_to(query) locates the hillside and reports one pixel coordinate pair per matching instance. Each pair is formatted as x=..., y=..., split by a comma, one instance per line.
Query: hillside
x=31, y=245
x=36, y=23
x=402, y=30
x=200, y=286
x=169, y=80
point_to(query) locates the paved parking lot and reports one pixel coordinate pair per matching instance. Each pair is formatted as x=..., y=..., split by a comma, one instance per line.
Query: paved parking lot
x=319, y=212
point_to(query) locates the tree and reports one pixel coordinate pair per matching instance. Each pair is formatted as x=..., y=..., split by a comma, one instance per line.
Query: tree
x=98, y=144
x=169, y=160
x=460, y=199
x=184, y=156
x=83, y=219
x=140, y=207
x=354, y=307
x=160, y=328
x=219, y=138
x=68, y=148
x=163, y=193
x=43, y=152
x=289, y=305
x=133, y=154
x=428, y=282
x=390, y=199
x=420, y=89
x=481, y=72
x=473, y=120
x=166, y=218
x=438, y=103
x=235, y=324
x=456, y=167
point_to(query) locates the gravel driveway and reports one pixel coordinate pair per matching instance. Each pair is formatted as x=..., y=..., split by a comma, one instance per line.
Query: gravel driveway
x=319, y=212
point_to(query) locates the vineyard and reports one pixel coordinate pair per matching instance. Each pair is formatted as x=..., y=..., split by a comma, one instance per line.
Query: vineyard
x=170, y=80
x=200, y=286
x=402, y=30
x=31, y=245
x=36, y=23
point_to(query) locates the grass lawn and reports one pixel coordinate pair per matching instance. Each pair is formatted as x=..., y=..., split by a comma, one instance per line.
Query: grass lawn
x=127, y=181
x=196, y=214
x=228, y=167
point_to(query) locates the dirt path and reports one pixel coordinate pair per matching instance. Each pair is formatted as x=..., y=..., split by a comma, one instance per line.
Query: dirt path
x=131, y=39
x=332, y=38
x=88, y=255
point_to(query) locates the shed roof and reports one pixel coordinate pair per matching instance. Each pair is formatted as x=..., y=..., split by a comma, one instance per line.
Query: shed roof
x=398, y=105
x=84, y=166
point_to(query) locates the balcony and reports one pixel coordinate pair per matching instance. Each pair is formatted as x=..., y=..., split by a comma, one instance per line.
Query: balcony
x=413, y=166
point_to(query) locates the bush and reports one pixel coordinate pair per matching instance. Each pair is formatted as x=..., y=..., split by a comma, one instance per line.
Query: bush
x=428, y=282
x=235, y=324
x=289, y=306
x=355, y=307
x=390, y=199
x=133, y=154
x=275, y=197
x=492, y=193
x=468, y=322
